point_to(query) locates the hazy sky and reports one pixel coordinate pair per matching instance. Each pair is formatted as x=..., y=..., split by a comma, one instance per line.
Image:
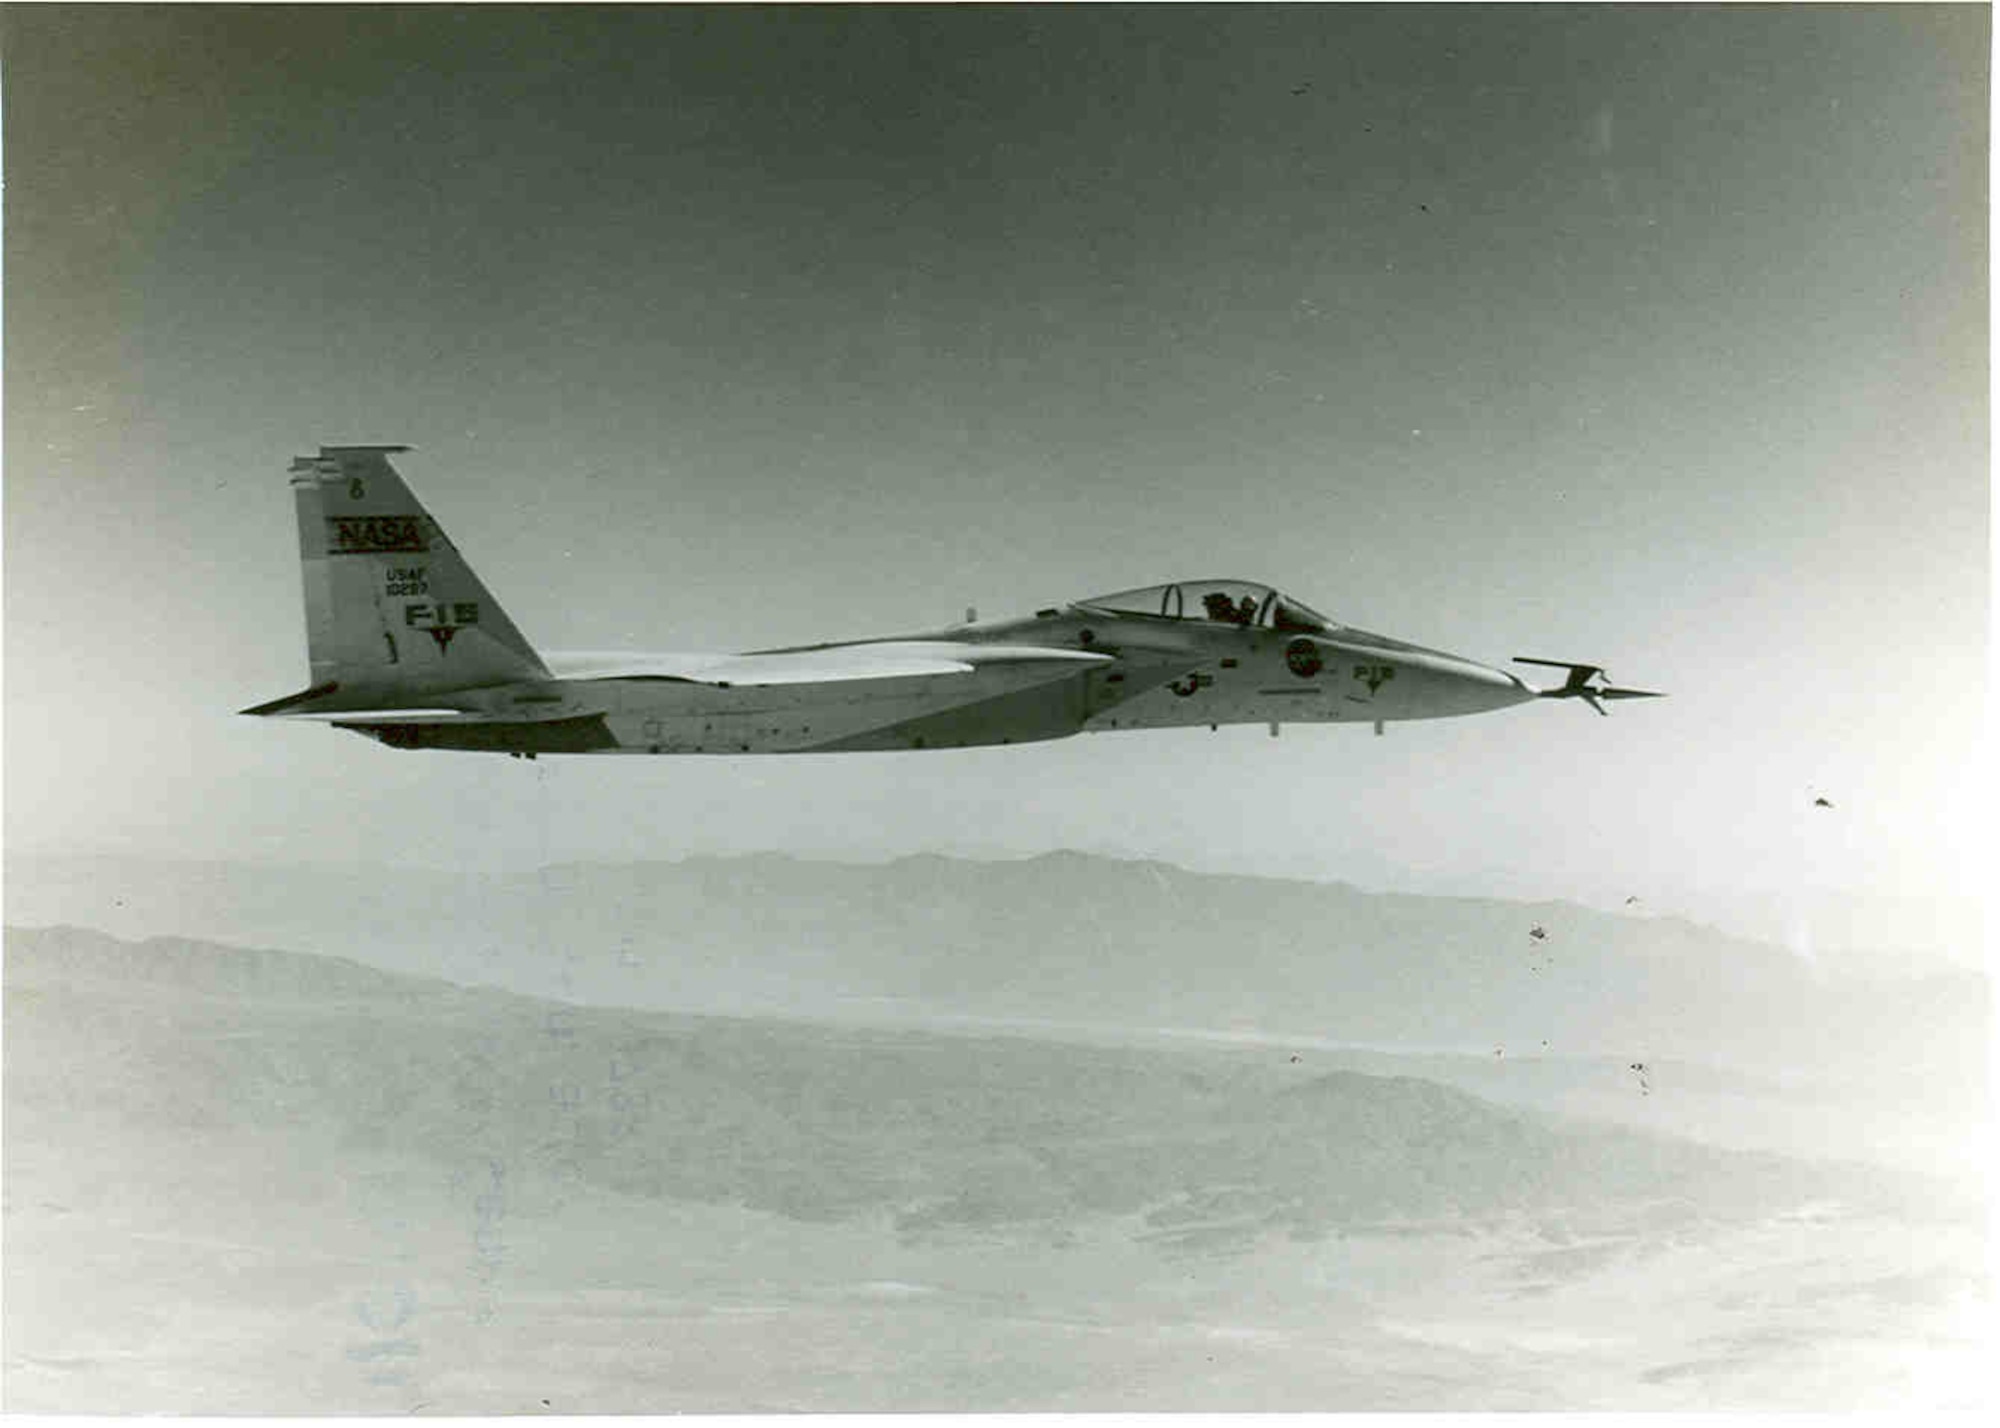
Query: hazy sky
x=1643, y=335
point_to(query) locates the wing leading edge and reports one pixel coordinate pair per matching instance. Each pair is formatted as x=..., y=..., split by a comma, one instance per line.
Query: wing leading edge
x=899, y=659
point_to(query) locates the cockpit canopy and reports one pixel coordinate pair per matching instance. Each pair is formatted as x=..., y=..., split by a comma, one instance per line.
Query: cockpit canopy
x=1225, y=602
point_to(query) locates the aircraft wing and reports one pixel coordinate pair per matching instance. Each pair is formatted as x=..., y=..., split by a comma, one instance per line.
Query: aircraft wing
x=887, y=659
x=403, y=716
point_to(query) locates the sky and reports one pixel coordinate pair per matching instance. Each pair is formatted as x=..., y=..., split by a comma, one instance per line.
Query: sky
x=1650, y=336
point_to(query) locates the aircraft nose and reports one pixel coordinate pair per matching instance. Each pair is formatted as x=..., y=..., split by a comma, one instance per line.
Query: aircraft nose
x=1479, y=686
x=1434, y=683
x=1486, y=674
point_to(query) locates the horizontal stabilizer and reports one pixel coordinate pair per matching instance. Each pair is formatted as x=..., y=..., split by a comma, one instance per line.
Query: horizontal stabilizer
x=437, y=714
x=350, y=715
x=291, y=701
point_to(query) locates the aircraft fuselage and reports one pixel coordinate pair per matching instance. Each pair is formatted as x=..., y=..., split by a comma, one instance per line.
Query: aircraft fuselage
x=1165, y=674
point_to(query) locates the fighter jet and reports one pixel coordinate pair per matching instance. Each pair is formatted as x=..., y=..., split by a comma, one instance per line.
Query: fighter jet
x=408, y=647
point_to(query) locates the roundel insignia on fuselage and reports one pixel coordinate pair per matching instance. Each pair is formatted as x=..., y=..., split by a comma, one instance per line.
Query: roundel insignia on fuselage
x=1302, y=658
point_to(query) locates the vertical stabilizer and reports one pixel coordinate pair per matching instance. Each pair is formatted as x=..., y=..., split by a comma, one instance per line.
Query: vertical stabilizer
x=392, y=609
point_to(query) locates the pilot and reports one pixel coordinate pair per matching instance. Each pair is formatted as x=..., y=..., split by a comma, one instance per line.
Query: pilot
x=1219, y=606
x=1246, y=613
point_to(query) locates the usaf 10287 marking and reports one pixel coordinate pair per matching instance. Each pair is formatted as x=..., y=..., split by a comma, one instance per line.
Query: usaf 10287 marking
x=1189, y=652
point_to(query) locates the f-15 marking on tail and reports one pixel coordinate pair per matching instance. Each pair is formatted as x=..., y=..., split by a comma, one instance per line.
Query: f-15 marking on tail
x=408, y=647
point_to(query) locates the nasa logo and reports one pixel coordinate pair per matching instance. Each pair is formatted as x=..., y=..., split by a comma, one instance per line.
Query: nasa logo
x=370, y=535
x=1302, y=658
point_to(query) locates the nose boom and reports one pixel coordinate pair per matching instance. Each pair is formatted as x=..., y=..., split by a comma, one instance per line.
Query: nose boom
x=1579, y=686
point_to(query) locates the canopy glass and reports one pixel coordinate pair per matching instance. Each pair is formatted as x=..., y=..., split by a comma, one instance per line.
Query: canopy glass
x=1224, y=602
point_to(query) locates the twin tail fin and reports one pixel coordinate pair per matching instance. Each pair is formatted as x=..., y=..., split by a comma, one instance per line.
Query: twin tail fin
x=393, y=612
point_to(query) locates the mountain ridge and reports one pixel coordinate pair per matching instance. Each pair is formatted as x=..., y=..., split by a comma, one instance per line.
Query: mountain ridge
x=1065, y=936
x=815, y=1122
x=1884, y=962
